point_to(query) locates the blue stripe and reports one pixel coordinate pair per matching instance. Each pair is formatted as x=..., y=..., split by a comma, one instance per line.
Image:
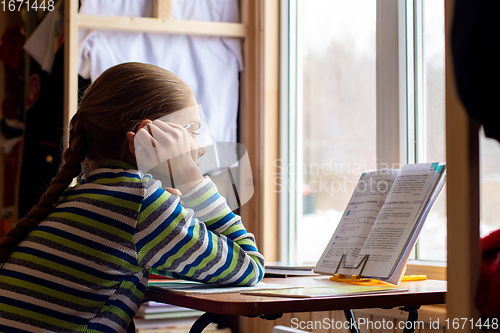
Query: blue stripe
x=43, y=311
x=69, y=263
x=261, y=272
x=112, y=175
x=122, y=306
x=98, y=217
x=207, y=202
x=248, y=271
x=152, y=198
x=248, y=248
x=99, y=328
x=221, y=222
x=157, y=231
x=226, y=265
x=113, y=194
x=237, y=234
x=178, y=246
x=200, y=257
x=87, y=242
x=56, y=286
x=4, y=328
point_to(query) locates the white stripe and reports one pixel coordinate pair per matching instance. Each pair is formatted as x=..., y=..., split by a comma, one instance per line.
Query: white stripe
x=157, y=222
x=109, y=323
x=256, y=254
x=171, y=244
x=23, y=326
x=89, y=236
x=211, y=207
x=47, y=305
x=246, y=235
x=204, y=182
x=152, y=187
x=108, y=170
x=240, y=272
x=62, y=281
x=194, y=255
x=221, y=261
x=98, y=186
x=134, y=307
x=224, y=259
x=256, y=270
x=71, y=257
x=99, y=210
x=228, y=224
x=214, y=268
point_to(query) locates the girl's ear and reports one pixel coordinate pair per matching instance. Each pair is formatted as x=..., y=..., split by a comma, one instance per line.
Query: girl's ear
x=131, y=135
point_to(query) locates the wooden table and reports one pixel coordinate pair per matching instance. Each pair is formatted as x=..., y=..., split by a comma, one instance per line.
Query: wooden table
x=227, y=304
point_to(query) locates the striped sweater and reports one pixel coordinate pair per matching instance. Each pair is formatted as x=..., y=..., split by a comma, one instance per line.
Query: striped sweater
x=85, y=268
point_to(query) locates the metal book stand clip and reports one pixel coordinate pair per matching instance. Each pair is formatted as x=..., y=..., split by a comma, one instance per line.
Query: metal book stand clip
x=362, y=264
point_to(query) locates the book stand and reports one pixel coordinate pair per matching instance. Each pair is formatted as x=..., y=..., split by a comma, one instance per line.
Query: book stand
x=358, y=279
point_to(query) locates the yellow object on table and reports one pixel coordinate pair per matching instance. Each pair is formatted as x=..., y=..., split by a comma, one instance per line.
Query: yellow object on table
x=355, y=279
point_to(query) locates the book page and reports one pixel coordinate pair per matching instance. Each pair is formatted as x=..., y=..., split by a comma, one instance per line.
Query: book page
x=357, y=221
x=397, y=219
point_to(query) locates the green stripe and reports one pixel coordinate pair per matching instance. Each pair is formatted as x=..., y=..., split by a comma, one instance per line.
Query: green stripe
x=182, y=251
x=94, y=223
x=92, y=253
x=245, y=241
x=122, y=179
x=223, y=213
x=43, y=318
x=248, y=278
x=257, y=260
x=108, y=199
x=133, y=288
x=153, y=206
x=232, y=229
x=207, y=259
x=51, y=292
x=117, y=311
x=201, y=198
x=234, y=262
x=65, y=269
x=146, y=248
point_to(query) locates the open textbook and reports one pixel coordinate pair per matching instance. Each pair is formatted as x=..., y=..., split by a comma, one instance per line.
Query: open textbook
x=382, y=221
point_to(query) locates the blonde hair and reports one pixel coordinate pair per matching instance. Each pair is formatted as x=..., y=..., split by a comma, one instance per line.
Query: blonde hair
x=113, y=105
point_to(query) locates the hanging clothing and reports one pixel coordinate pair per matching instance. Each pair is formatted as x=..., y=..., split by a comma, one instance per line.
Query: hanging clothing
x=209, y=65
x=47, y=38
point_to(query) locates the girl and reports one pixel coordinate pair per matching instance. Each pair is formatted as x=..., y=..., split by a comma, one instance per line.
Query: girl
x=80, y=260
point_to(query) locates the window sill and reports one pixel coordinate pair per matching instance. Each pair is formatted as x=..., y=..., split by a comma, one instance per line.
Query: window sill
x=435, y=270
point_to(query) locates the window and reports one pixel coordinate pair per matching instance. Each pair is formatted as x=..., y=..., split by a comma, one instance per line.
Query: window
x=489, y=162
x=365, y=90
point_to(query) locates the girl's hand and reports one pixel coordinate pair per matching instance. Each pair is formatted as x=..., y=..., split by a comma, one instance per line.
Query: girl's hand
x=173, y=191
x=168, y=153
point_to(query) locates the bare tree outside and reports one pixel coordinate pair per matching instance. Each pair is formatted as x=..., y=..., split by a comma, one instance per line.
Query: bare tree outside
x=337, y=50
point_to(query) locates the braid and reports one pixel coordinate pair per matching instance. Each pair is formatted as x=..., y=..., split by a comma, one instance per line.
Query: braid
x=73, y=157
